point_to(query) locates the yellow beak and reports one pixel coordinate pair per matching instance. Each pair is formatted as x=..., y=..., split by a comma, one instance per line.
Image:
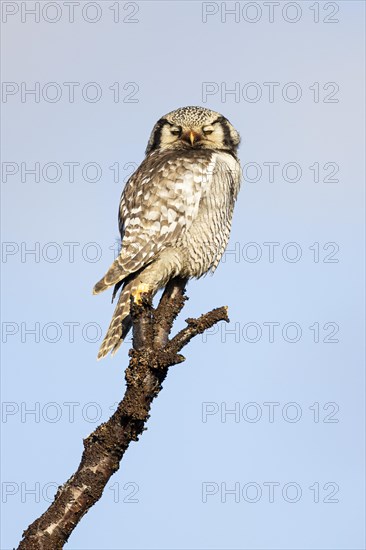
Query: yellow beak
x=191, y=137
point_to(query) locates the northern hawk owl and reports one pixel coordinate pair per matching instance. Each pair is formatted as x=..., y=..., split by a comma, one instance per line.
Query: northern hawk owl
x=175, y=211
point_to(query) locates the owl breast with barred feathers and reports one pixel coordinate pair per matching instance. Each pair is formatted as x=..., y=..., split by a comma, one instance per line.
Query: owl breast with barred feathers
x=175, y=211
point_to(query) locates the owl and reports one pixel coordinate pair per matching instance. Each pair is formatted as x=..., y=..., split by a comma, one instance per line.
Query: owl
x=175, y=211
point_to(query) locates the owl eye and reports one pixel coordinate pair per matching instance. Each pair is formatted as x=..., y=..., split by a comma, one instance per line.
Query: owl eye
x=207, y=131
x=176, y=131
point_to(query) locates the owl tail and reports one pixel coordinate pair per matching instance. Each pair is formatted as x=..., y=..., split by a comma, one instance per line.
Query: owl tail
x=113, y=276
x=121, y=321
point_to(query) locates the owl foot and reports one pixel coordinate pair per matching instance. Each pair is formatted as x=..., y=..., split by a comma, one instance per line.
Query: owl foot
x=143, y=288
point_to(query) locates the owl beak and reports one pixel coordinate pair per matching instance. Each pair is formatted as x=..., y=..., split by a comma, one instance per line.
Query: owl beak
x=191, y=137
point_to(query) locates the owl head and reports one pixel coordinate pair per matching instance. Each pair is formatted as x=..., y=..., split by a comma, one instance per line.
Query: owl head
x=193, y=127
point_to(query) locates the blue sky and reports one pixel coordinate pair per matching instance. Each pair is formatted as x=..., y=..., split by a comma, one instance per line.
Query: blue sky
x=290, y=364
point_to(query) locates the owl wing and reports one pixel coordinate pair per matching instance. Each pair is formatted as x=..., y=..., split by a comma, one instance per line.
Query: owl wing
x=159, y=203
x=225, y=187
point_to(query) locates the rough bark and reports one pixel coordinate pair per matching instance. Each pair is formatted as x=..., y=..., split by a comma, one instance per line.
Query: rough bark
x=150, y=358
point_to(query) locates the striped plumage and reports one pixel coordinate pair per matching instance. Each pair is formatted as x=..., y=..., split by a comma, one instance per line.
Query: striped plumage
x=175, y=211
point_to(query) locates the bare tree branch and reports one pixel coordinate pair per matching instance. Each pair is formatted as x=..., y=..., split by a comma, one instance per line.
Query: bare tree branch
x=150, y=358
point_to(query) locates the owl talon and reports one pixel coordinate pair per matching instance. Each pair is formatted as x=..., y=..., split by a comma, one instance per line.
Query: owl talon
x=141, y=289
